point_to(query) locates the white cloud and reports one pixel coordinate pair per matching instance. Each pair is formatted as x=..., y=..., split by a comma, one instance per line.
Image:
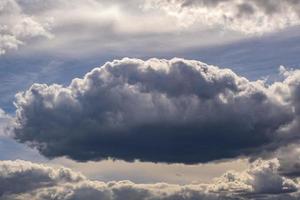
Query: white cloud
x=17, y=28
x=250, y=17
x=92, y=27
x=26, y=180
x=262, y=177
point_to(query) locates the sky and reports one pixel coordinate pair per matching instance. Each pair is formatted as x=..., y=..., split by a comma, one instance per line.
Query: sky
x=149, y=99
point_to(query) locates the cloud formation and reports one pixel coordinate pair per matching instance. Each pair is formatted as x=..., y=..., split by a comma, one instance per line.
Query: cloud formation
x=17, y=28
x=250, y=17
x=174, y=111
x=81, y=28
x=25, y=180
x=289, y=158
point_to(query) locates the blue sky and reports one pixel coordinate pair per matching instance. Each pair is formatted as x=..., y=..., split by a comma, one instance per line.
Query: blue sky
x=253, y=57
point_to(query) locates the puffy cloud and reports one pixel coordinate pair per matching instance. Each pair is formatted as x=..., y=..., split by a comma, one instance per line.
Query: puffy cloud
x=250, y=17
x=17, y=27
x=175, y=111
x=261, y=178
x=20, y=176
x=26, y=180
x=289, y=155
x=289, y=158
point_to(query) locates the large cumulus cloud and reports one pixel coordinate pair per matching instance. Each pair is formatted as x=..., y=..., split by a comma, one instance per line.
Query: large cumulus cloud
x=25, y=180
x=175, y=111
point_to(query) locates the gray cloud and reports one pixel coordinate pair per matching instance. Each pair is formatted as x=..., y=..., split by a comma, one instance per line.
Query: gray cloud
x=269, y=7
x=81, y=28
x=289, y=158
x=250, y=17
x=174, y=111
x=91, y=27
x=26, y=180
x=20, y=176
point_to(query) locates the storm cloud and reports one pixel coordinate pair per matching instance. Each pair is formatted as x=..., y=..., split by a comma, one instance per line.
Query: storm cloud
x=173, y=111
x=25, y=180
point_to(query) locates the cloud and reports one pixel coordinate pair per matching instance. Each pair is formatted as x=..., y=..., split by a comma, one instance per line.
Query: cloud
x=250, y=17
x=83, y=28
x=262, y=177
x=289, y=158
x=5, y=124
x=21, y=176
x=17, y=28
x=26, y=180
x=173, y=111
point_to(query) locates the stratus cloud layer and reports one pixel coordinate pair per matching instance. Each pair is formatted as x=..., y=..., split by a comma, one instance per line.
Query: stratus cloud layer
x=25, y=180
x=93, y=26
x=17, y=28
x=255, y=16
x=175, y=111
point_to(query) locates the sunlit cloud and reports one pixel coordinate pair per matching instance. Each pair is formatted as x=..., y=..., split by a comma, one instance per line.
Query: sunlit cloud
x=17, y=28
x=25, y=180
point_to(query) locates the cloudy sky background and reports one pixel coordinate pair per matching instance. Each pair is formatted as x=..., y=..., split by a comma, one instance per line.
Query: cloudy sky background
x=243, y=79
